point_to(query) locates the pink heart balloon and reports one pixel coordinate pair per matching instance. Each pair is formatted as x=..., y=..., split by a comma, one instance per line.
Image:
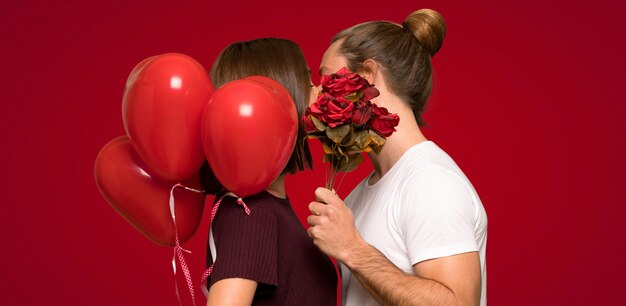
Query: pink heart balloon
x=142, y=199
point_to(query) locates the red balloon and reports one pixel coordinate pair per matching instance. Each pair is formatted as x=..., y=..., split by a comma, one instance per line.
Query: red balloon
x=249, y=129
x=275, y=86
x=143, y=200
x=162, y=108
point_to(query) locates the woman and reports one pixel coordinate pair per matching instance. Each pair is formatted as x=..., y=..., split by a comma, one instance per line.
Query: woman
x=267, y=258
x=414, y=232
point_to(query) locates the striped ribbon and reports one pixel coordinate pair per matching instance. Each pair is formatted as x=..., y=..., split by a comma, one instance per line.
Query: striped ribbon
x=208, y=271
x=178, y=249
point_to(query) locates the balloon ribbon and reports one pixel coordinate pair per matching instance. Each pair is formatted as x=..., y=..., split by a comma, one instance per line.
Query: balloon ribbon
x=178, y=249
x=208, y=271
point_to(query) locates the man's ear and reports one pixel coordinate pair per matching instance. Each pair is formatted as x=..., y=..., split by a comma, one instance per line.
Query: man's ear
x=370, y=70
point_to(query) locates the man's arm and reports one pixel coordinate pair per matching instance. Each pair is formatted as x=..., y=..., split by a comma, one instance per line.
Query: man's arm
x=452, y=280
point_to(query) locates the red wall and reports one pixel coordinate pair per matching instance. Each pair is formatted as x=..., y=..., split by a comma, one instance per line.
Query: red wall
x=529, y=100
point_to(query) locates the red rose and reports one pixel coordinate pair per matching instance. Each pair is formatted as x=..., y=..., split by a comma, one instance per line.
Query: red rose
x=342, y=83
x=369, y=92
x=352, y=123
x=332, y=111
x=345, y=83
x=362, y=112
x=309, y=126
x=382, y=122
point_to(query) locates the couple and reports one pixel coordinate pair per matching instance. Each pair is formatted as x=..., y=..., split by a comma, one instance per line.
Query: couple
x=412, y=233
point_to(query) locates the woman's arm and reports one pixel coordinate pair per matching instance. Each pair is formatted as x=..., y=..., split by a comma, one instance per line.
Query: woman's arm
x=232, y=292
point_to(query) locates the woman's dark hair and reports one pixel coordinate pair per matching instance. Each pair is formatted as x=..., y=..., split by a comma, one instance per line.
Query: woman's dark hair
x=403, y=52
x=278, y=59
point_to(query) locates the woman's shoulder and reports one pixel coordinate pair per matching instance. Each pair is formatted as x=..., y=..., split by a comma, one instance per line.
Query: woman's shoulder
x=252, y=209
x=261, y=199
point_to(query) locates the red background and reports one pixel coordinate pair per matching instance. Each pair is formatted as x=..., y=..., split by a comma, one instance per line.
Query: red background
x=528, y=99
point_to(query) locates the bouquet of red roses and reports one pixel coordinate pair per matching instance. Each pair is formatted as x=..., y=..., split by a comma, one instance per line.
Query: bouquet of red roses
x=346, y=121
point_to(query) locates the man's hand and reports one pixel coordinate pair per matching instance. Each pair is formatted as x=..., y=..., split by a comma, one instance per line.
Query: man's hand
x=332, y=226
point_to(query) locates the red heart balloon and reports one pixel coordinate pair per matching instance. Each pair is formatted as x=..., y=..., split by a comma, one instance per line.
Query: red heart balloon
x=249, y=130
x=142, y=199
x=162, y=108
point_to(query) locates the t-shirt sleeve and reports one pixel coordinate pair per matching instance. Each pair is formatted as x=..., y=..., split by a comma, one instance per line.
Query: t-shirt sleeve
x=436, y=215
x=246, y=246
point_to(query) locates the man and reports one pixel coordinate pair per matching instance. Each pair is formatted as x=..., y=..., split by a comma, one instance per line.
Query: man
x=415, y=231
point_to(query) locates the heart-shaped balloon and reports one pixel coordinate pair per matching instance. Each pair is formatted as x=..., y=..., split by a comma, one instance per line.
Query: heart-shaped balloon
x=249, y=130
x=142, y=199
x=162, y=108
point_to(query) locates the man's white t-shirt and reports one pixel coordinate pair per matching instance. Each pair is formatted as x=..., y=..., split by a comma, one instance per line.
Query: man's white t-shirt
x=422, y=208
